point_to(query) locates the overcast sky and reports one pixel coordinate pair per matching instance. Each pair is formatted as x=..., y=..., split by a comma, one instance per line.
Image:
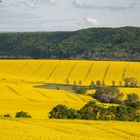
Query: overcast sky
x=59, y=15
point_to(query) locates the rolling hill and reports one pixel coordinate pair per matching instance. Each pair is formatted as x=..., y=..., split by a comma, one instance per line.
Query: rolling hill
x=93, y=43
x=58, y=71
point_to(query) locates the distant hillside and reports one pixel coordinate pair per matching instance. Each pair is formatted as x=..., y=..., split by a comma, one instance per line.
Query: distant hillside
x=94, y=43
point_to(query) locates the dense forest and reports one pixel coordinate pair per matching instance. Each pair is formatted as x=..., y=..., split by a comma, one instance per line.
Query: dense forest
x=93, y=44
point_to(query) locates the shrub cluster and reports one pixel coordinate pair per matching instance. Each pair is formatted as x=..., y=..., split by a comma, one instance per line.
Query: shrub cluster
x=20, y=114
x=108, y=95
x=6, y=115
x=62, y=112
x=133, y=101
x=92, y=111
x=130, y=82
x=79, y=89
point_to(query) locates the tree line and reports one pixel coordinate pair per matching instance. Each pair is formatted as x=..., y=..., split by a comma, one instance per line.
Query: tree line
x=126, y=111
x=79, y=88
x=93, y=44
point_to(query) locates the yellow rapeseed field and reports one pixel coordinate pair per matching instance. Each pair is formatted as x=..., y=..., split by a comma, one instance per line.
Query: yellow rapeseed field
x=57, y=71
x=18, y=91
x=16, y=96
x=20, y=129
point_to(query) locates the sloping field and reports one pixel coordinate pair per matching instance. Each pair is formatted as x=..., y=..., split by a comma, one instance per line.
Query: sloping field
x=16, y=96
x=14, y=129
x=57, y=71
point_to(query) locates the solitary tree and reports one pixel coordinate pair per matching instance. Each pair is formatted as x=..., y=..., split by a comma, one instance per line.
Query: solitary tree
x=98, y=83
x=80, y=82
x=103, y=83
x=92, y=85
x=74, y=87
x=120, y=83
x=67, y=81
x=113, y=83
x=74, y=82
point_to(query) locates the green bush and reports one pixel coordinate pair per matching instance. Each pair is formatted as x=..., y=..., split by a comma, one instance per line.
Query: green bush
x=108, y=95
x=92, y=85
x=135, y=105
x=127, y=113
x=22, y=114
x=122, y=113
x=89, y=111
x=92, y=111
x=62, y=112
x=79, y=89
x=7, y=116
x=131, y=98
x=130, y=82
x=104, y=114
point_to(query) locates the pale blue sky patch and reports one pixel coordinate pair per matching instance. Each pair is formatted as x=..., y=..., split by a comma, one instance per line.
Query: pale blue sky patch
x=60, y=15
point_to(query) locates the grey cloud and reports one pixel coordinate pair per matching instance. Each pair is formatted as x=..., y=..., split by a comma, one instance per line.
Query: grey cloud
x=28, y=3
x=79, y=4
x=32, y=3
x=37, y=3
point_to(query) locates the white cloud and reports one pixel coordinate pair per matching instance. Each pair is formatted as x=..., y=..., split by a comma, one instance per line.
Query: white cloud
x=92, y=22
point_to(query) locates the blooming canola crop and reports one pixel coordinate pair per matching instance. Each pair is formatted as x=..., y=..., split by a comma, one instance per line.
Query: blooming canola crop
x=19, y=81
x=57, y=71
